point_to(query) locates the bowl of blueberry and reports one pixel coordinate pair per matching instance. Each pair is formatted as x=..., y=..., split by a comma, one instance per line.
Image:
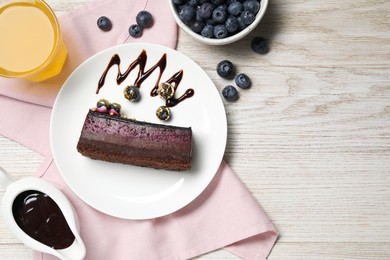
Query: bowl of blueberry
x=218, y=22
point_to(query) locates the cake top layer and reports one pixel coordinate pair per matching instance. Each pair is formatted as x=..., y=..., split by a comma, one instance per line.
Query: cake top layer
x=129, y=120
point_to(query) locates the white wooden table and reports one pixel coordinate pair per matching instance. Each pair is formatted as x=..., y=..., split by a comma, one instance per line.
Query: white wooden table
x=310, y=139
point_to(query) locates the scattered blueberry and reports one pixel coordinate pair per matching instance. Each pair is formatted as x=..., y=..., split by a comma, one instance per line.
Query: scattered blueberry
x=225, y=69
x=242, y=81
x=135, y=31
x=247, y=17
x=230, y=93
x=144, y=19
x=208, y=31
x=220, y=31
x=104, y=23
x=259, y=45
x=187, y=13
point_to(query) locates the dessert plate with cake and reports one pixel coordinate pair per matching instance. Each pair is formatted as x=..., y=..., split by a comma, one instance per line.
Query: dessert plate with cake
x=138, y=131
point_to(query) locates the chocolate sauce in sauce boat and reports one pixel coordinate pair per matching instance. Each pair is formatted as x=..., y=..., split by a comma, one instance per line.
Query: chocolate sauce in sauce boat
x=140, y=62
x=41, y=217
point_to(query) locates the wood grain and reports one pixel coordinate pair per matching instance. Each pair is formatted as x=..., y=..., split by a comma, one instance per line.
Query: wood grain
x=310, y=139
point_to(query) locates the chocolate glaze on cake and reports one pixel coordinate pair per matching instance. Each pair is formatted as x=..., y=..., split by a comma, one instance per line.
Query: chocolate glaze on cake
x=122, y=140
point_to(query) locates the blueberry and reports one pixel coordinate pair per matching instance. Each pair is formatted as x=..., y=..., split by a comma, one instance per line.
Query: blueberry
x=192, y=3
x=223, y=7
x=104, y=23
x=114, y=109
x=219, y=15
x=225, y=68
x=241, y=24
x=259, y=45
x=200, y=2
x=242, y=81
x=135, y=31
x=247, y=17
x=132, y=93
x=235, y=8
x=252, y=5
x=144, y=19
x=208, y=31
x=197, y=26
x=211, y=21
x=218, y=2
x=187, y=13
x=231, y=24
x=220, y=31
x=229, y=2
x=205, y=11
x=163, y=113
x=230, y=93
x=179, y=2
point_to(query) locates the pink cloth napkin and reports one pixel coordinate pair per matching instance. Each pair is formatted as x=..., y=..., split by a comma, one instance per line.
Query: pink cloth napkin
x=225, y=215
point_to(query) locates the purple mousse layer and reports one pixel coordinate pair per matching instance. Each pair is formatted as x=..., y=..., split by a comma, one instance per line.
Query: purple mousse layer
x=122, y=140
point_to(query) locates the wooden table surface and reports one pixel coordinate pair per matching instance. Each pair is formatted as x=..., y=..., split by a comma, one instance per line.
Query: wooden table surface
x=310, y=139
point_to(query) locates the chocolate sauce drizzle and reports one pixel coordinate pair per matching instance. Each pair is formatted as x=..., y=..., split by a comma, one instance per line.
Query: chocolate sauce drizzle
x=143, y=75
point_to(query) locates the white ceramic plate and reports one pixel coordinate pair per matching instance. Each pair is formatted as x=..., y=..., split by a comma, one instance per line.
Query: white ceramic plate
x=127, y=191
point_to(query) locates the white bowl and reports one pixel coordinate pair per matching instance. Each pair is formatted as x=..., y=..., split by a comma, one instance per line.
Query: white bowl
x=224, y=41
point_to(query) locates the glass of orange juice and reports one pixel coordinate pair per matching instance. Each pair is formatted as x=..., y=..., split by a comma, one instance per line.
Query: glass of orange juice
x=31, y=44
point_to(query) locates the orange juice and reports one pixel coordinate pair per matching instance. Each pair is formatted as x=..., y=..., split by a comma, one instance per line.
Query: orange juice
x=31, y=45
